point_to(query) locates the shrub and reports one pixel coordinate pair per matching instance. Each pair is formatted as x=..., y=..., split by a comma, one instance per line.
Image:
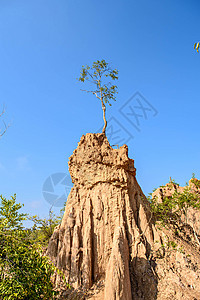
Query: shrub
x=172, y=211
x=24, y=272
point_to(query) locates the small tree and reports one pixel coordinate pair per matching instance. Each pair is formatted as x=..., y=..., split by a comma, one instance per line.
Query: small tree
x=24, y=273
x=103, y=90
x=43, y=228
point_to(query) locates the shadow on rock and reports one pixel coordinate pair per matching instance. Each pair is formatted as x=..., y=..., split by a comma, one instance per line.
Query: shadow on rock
x=143, y=279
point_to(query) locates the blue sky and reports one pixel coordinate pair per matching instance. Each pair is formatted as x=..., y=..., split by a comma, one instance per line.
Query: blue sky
x=44, y=43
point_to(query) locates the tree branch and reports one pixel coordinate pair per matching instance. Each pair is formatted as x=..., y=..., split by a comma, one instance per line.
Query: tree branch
x=3, y=111
x=6, y=127
x=93, y=92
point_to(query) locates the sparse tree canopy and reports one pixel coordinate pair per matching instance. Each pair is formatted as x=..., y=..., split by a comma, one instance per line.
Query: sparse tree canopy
x=97, y=75
x=197, y=46
x=43, y=228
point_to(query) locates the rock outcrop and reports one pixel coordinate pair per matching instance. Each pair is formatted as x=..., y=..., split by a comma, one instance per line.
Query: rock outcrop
x=193, y=215
x=107, y=234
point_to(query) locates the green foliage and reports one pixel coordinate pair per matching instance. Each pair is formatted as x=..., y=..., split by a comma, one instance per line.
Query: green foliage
x=163, y=211
x=99, y=76
x=96, y=75
x=172, y=244
x=171, y=209
x=195, y=181
x=24, y=272
x=174, y=182
x=166, y=249
x=186, y=200
x=172, y=212
x=197, y=46
x=10, y=218
x=43, y=228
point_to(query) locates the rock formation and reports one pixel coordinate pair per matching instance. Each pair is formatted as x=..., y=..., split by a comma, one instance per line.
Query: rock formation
x=178, y=270
x=193, y=216
x=107, y=233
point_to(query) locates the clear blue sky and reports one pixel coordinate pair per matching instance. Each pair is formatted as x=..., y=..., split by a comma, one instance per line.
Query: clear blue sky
x=44, y=43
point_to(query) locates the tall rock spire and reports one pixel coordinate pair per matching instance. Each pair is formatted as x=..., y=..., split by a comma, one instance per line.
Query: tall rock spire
x=107, y=234
x=105, y=215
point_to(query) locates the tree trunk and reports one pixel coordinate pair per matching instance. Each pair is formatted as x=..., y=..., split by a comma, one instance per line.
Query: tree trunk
x=104, y=109
x=104, y=118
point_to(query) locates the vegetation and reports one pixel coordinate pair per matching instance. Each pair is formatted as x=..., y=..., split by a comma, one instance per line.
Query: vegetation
x=27, y=274
x=172, y=211
x=43, y=228
x=103, y=89
x=24, y=272
x=195, y=181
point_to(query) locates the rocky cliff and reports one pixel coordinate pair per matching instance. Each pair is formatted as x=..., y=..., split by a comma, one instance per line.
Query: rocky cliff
x=193, y=215
x=107, y=245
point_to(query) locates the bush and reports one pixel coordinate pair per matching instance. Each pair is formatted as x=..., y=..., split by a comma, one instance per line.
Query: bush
x=24, y=272
x=172, y=209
